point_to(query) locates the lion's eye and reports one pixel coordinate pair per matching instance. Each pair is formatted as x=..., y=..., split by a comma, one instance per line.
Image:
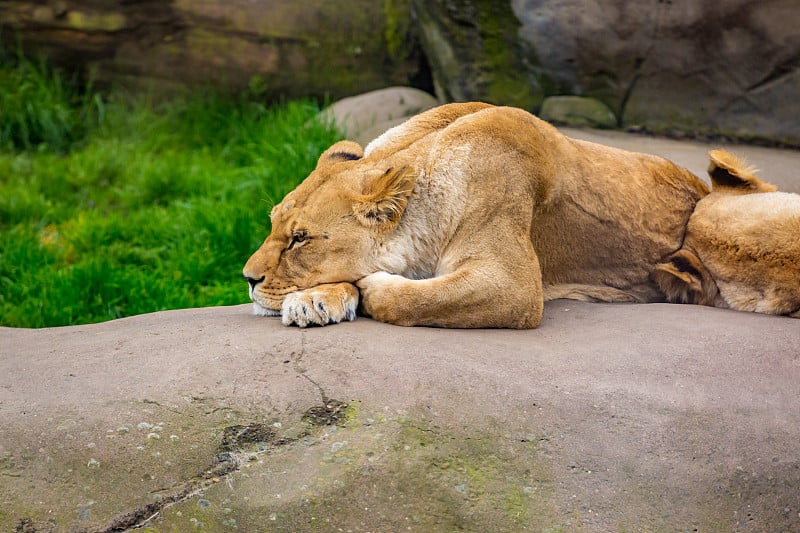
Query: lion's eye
x=297, y=238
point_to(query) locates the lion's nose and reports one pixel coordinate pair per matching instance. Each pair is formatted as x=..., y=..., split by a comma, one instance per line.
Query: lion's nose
x=253, y=281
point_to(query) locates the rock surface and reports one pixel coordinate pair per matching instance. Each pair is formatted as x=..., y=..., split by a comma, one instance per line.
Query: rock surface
x=608, y=417
x=731, y=66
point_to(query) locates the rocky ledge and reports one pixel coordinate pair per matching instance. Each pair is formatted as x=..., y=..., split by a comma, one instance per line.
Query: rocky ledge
x=607, y=417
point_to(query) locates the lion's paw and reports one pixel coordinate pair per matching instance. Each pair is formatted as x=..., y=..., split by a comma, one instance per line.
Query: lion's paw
x=321, y=305
x=378, y=294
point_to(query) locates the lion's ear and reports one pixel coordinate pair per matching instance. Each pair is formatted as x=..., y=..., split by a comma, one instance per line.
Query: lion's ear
x=384, y=199
x=684, y=279
x=341, y=151
x=732, y=174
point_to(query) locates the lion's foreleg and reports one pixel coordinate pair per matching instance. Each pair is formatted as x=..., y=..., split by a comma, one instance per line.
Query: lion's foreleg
x=473, y=296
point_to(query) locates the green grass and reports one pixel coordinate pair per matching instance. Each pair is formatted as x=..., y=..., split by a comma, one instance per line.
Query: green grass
x=113, y=206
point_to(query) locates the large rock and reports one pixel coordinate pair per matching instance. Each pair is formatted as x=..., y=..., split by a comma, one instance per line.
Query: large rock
x=316, y=48
x=609, y=417
x=606, y=418
x=727, y=66
x=721, y=66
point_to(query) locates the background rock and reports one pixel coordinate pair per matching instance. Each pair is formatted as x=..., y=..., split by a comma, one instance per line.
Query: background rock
x=728, y=67
x=577, y=111
x=363, y=117
x=315, y=48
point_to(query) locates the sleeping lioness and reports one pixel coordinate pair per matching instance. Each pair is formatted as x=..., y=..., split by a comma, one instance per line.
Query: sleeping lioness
x=742, y=246
x=470, y=215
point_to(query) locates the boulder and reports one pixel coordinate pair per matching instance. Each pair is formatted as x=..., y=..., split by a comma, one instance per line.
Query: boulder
x=608, y=417
x=365, y=116
x=577, y=111
x=719, y=67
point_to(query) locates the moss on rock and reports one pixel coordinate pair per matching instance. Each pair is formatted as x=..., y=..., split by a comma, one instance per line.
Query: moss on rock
x=578, y=111
x=398, y=28
x=475, y=54
x=379, y=471
x=99, y=21
x=504, y=79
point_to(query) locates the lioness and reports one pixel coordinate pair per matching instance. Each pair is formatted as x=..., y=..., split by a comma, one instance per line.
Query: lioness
x=470, y=215
x=742, y=246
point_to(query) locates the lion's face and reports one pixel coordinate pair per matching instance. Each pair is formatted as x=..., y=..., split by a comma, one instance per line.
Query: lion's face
x=328, y=229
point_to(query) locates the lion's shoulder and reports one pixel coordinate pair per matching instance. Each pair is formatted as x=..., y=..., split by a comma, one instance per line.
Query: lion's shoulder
x=412, y=130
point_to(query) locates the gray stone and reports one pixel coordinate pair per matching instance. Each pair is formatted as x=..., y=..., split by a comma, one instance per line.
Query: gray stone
x=579, y=111
x=607, y=417
x=365, y=116
x=718, y=66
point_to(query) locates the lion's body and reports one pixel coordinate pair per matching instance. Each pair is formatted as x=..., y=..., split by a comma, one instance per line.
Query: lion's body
x=616, y=215
x=598, y=218
x=470, y=215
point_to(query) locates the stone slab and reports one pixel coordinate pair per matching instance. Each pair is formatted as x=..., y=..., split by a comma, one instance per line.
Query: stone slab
x=608, y=417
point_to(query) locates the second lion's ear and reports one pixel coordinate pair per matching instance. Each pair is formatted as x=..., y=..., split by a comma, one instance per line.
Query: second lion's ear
x=341, y=151
x=684, y=279
x=732, y=174
x=384, y=199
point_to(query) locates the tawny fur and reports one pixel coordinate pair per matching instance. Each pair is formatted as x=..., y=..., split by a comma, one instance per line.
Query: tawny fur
x=470, y=215
x=745, y=241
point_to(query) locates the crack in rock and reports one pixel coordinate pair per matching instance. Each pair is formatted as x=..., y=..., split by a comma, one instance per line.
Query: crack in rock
x=231, y=455
x=297, y=358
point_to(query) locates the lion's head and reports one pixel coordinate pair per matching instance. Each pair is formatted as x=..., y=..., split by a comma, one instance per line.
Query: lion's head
x=329, y=229
x=741, y=248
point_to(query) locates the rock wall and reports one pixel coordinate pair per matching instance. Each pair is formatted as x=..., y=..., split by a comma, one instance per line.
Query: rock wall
x=322, y=48
x=475, y=52
x=728, y=67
